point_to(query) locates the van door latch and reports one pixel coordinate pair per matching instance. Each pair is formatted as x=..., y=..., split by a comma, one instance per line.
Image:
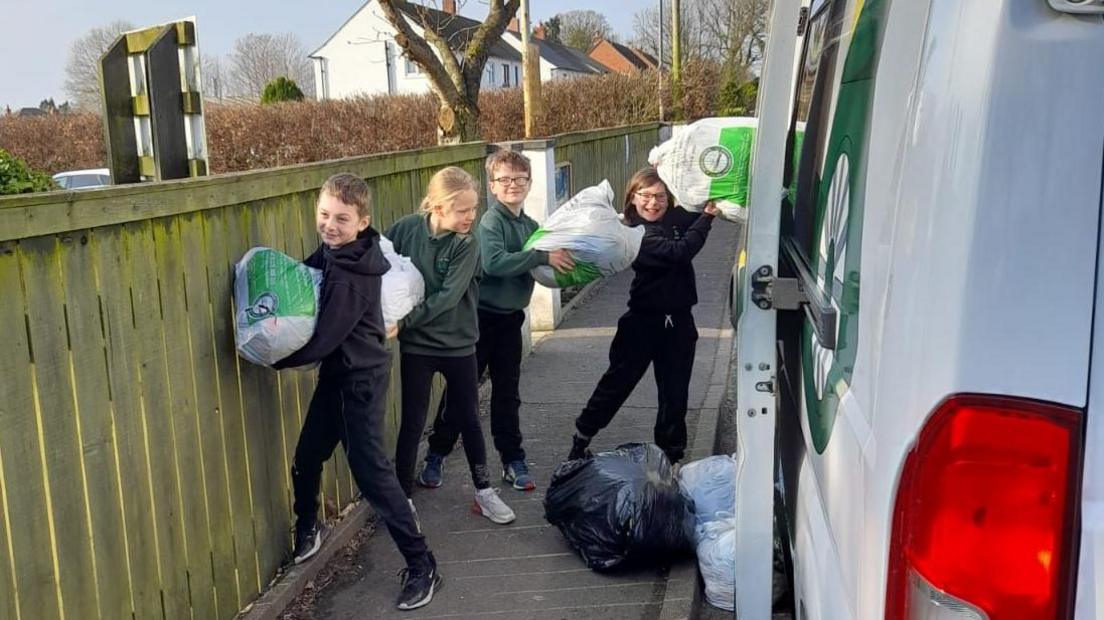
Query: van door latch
x=769, y=292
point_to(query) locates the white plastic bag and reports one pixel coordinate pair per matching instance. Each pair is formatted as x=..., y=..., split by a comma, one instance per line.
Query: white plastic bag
x=709, y=159
x=276, y=298
x=717, y=561
x=403, y=286
x=591, y=229
x=711, y=483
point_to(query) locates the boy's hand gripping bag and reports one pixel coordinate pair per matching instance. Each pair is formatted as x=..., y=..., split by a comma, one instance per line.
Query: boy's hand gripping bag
x=403, y=286
x=276, y=298
x=709, y=159
x=591, y=229
x=621, y=508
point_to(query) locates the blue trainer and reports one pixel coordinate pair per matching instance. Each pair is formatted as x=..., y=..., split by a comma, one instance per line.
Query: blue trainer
x=517, y=474
x=431, y=471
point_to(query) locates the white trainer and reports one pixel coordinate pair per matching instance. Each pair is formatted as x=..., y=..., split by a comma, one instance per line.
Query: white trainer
x=490, y=505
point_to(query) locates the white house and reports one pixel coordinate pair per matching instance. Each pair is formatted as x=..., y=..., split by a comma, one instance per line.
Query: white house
x=362, y=57
x=556, y=60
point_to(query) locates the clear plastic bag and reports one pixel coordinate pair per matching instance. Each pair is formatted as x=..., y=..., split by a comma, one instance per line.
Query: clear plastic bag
x=591, y=229
x=709, y=159
x=711, y=483
x=403, y=286
x=276, y=298
x=717, y=561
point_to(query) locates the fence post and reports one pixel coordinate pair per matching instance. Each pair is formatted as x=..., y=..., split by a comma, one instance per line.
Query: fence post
x=544, y=309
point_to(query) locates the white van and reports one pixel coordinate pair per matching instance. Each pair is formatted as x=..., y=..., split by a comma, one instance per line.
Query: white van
x=919, y=329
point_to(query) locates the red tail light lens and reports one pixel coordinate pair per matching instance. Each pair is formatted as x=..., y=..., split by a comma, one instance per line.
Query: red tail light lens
x=986, y=511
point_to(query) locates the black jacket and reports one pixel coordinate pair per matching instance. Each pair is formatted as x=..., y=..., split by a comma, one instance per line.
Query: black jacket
x=664, y=282
x=350, y=334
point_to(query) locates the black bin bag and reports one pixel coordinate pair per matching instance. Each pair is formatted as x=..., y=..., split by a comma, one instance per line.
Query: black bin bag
x=621, y=508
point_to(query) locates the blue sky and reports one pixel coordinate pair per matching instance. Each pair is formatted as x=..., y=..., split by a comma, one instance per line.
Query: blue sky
x=35, y=34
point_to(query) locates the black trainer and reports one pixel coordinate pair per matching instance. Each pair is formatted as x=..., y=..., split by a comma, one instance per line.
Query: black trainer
x=308, y=541
x=419, y=582
x=579, y=449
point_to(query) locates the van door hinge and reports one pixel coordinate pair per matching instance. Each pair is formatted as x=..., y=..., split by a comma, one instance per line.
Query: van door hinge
x=769, y=292
x=802, y=20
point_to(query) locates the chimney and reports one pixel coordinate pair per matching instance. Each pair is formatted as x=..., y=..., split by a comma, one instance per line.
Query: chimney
x=513, y=25
x=538, y=31
x=449, y=6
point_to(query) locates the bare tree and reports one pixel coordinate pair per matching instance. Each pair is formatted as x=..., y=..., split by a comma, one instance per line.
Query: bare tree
x=82, y=68
x=214, y=77
x=580, y=29
x=451, y=56
x=257, y=59
x=733, y=31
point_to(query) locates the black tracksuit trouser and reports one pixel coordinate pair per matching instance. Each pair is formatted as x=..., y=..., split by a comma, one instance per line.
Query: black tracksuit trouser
x=499, y=353
x=350, y=409
x=665, y=341
x=463, y=404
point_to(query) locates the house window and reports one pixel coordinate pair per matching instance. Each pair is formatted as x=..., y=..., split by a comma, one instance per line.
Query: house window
x=490, y=73
x=505, y=75
x=516, y=80
x=412, y=67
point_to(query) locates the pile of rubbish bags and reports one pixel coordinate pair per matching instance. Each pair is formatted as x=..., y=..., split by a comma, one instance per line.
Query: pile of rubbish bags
x=711, y=483
x=621, y=508
x=276, y=298
x=591, y=229
x=709, y=159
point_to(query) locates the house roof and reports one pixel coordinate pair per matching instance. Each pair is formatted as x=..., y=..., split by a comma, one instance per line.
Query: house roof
x=453, y=28
x=639, y=59
x=569, y=58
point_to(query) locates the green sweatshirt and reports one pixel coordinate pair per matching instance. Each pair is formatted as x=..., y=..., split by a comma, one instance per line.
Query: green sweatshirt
x=445, y=324
x=507, y=285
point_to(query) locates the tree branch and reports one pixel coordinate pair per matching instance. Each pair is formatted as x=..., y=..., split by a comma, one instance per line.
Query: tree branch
x=419, y=51
x=475, y=56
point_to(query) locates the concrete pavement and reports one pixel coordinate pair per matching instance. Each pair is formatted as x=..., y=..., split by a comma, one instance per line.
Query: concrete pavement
x=526, y=569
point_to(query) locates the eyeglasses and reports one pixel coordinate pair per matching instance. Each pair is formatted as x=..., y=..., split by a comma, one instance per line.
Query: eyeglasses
x=647, y=196
x=519, y=181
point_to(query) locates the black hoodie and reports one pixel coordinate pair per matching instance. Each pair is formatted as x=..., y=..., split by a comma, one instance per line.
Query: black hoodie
x=664, y=281
x=350, y=334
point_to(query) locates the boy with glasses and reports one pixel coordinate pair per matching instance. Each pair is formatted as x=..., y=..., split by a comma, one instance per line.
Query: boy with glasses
x=504, y=292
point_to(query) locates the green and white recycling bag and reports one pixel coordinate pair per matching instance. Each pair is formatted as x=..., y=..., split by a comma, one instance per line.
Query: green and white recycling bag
x=277, y=301
x=709, y=159
x=591, y=229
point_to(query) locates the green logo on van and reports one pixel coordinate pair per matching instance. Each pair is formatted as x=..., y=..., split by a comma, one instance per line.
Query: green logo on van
x=838, y=227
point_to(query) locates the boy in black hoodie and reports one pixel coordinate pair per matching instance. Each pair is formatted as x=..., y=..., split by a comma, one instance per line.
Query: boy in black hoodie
x=348, y=402
x=659, y=328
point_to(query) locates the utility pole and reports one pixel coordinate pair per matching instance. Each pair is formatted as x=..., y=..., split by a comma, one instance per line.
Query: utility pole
x=530, y=71
x=659, y=62
x=676, y=59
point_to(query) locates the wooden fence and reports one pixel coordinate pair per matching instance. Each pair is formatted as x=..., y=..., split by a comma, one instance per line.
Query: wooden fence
x=144, y=468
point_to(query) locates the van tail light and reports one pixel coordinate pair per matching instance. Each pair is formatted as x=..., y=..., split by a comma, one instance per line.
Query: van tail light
x=986, y=519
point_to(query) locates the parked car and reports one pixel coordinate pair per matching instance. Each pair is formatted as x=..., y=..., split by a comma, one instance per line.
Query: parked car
x=83, y=179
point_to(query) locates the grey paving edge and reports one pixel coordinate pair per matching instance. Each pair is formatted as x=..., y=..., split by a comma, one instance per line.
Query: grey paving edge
x=275, y=599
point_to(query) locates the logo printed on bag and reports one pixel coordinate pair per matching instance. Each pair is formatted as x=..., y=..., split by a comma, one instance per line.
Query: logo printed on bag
x=715, y=161
x=263, y=307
